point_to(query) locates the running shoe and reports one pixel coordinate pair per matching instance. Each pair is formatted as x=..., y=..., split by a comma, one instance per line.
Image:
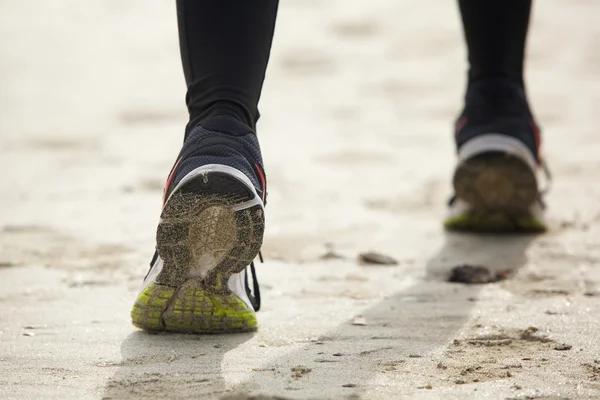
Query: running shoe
x=209, y=234
x=496, y=180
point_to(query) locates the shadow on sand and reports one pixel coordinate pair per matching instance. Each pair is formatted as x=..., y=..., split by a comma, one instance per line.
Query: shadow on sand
x=409, y=324
x=161, y=364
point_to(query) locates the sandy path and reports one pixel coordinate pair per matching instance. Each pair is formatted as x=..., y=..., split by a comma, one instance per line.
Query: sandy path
x=356, y=134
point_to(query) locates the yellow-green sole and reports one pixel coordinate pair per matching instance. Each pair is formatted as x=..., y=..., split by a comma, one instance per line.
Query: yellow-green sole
x=495, y=223
x=191, y=308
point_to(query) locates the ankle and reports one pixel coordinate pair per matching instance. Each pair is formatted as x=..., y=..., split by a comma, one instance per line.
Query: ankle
x=495, y=95
x=225, y=124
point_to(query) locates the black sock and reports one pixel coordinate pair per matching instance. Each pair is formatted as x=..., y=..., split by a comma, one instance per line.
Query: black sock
x=225, y=46
x=495, y=31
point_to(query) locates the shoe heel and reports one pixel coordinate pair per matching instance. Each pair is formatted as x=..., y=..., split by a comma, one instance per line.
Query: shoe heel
x=211, y=225
x=496, y=181
x=496, y=173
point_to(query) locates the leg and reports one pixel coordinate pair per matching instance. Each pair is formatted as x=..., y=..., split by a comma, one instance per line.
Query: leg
x=225, y=48
x=496, y=136
x=495, y=32
x=212, y=222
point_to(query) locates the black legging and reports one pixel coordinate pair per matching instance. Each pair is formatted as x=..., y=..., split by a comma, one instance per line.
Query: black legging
x=225, y=46
x=495, y=31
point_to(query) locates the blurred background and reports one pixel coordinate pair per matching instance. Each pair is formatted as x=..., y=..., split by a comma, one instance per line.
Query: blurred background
x=356, y=131
x=357, y=111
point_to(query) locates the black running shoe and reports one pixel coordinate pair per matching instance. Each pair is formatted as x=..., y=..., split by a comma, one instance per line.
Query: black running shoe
x=496, y=179
x=210, y=231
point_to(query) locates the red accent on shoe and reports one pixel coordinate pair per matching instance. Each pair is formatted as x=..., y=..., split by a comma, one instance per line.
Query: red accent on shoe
x=537, y=137
x=169, y=180
x=263, y=182
x=460, y=124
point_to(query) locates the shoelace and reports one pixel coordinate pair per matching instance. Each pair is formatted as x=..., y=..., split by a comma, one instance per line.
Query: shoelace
x=254, y=294
x=548, y=183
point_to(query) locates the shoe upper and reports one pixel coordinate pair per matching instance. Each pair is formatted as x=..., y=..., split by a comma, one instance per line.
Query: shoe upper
x=221, y=140
x=497, y=112
x=498, y=106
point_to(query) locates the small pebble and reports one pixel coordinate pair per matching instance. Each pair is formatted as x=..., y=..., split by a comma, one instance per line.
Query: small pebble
x=372, y=257
x=331, y=255
x=475, y=274
x=562, y=347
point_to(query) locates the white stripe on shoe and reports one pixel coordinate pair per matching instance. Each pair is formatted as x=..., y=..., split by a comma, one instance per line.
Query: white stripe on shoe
x=493, y=142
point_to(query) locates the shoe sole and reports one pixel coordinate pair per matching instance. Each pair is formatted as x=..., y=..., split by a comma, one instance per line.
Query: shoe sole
x=211, y=227
x=499, y=185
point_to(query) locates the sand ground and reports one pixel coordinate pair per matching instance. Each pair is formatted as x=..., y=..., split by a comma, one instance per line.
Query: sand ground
x=356, y=133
